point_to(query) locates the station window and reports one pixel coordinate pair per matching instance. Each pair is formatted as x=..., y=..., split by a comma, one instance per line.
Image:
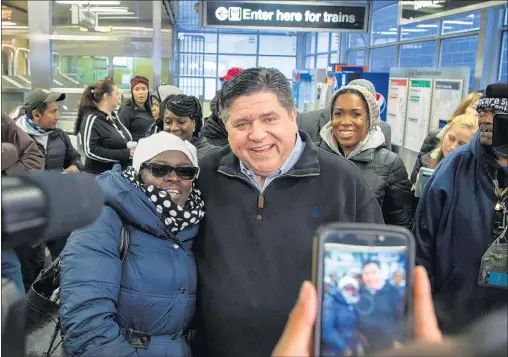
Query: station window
x=503, y=66
x=460, y=51
x=419, y=30
x=210, y=40
x=210, y=88
x=358, y=40
x=238, y=43
x=310, y=62
x=277, y=45
x=228, y=61
x=384, y=25
x=311, y=43
x=357, y=58
x=382, y=59
x=323, y=42
x=335, y=42
x=421, y=54
x=283, y=64
x=461, y=23
x=322, y=61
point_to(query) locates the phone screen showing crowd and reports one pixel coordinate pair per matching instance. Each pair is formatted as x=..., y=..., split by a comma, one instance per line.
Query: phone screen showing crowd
x=363, y=303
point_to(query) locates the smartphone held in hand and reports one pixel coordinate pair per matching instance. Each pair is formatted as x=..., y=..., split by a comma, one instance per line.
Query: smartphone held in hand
x=363, y=278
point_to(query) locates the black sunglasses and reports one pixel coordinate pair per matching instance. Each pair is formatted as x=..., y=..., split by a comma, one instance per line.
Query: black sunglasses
x=160, y=171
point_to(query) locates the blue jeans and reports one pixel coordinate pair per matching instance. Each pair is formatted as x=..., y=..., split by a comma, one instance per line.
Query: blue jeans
x=11, y=269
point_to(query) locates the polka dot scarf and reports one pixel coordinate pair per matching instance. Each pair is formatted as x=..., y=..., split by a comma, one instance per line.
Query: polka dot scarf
x=175, y=218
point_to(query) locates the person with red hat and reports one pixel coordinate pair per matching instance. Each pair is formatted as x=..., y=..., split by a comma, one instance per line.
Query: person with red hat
x=136, y=113
x=231, y=73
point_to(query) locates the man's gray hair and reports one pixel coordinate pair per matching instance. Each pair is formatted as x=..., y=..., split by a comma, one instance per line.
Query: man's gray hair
x=255, y=80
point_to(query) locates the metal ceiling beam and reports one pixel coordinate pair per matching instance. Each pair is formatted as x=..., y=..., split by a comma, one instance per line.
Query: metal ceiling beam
x=169, y=11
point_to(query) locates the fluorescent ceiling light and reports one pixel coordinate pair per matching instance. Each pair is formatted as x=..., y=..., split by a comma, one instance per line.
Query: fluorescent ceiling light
x=15, y=27
x=471, y=15
x=392, y=29
x=427, y=25
x=414, y=30
x=70, y=2
x=386, y=33
x=448, y=27
x=117, y=17
x=458, y=22
x=8, y=23
x=109, y=9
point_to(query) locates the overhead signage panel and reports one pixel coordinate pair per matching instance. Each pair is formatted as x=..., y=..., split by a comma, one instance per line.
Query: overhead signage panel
x=420, y=10
x=290, y=16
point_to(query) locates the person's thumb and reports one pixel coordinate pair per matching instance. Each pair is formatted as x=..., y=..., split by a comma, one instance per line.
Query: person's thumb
x=297, y=337
x=426, y=325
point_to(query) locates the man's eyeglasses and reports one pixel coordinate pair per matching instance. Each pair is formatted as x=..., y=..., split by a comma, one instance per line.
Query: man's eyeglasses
x=161, y=171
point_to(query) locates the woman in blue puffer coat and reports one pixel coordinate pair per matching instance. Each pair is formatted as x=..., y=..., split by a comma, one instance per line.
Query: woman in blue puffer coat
x=141, y=306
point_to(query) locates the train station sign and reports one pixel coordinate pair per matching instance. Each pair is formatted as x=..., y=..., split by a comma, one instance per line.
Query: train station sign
x=286, y=15
x=416, y=11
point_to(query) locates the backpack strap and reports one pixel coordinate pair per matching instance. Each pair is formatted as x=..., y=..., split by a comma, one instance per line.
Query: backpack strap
x=125, y=241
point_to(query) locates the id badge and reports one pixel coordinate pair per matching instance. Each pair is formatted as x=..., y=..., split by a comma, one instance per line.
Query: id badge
x=494, y=267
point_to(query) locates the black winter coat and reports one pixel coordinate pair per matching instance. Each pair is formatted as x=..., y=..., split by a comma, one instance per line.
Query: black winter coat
x=429, y=144
x=387, y=177
x=136, y=120
x=59, y=153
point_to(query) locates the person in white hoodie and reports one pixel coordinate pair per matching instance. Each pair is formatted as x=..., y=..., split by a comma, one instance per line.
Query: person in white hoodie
x=354, y=134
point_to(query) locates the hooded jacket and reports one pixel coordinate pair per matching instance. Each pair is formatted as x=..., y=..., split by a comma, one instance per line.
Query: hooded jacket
x=453, y=229
x=384, y=170
x=19, y=151
x=152, y=291
x=135, y=119
x=214, y=129
x=54, y=144
x=104, y=141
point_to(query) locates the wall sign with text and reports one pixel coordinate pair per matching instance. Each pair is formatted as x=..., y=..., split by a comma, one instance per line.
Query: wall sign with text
x=290, y=16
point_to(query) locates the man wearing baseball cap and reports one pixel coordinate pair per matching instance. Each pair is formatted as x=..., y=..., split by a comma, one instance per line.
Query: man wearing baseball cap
x=39, y=121
x=461, y=222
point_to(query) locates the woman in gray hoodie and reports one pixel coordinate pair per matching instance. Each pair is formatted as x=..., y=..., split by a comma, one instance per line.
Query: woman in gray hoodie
x=354, y=133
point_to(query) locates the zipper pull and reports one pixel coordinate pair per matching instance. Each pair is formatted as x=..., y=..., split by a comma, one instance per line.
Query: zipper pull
x=261, y=205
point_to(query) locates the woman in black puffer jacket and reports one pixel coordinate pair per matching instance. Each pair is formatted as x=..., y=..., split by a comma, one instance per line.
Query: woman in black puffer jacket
x=354, y=134
x=136, y=113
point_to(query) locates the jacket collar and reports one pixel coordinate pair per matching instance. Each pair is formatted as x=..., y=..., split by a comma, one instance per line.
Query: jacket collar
x=308, y=163
x=487, y=162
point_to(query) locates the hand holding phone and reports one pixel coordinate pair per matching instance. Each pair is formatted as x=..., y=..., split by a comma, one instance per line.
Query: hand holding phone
x=363, y=278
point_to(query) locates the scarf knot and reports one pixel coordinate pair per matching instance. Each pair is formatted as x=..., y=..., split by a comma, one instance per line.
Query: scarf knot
x=174, y=217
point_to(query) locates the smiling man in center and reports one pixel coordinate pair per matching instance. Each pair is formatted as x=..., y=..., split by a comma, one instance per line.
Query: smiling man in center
x=266, y=193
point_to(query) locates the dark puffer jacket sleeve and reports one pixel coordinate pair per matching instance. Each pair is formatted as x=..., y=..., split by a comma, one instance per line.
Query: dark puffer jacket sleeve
x=89, y=288
x=72, y=156
x=397, y=204
x=428, y=145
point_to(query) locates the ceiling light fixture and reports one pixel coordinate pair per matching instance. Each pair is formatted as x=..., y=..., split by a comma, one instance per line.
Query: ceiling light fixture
x=458, y=22
x=112, y=10
x=70, y=2
x=8, y=23
x=118, y=17
x=414, y=30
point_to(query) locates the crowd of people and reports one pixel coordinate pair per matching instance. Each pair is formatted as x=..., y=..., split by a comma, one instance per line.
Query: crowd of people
x=222, y=211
